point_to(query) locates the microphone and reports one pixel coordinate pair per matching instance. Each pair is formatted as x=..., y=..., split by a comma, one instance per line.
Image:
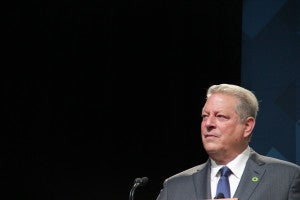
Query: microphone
x=137, y=182
x=220, y=196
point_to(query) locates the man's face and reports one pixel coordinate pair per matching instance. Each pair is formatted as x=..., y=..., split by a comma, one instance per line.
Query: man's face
x=223, y=135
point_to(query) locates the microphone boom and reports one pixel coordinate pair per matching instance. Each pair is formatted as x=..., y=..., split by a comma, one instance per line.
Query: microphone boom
x=137, y=182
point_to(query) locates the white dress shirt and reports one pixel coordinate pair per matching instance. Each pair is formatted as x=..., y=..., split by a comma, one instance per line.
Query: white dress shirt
x=237, y=167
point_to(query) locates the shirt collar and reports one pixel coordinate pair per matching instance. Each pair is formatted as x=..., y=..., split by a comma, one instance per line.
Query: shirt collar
x=237, y=165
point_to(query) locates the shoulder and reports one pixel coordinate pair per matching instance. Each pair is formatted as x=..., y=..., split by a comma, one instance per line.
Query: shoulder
x=273, y=163
x=188, y=173
x=183, y=184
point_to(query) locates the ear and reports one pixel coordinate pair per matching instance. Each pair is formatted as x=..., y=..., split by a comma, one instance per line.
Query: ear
x=249, y=126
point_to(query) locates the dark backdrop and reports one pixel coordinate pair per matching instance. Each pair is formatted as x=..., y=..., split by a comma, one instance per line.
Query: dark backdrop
x=99, y=93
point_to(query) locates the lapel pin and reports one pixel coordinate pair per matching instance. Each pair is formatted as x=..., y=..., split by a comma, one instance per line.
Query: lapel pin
x=254, y=179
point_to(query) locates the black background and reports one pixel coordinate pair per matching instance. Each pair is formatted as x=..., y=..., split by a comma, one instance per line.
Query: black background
x=97, y=93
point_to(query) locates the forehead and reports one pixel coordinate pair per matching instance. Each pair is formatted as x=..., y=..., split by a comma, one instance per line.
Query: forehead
x=220, y=101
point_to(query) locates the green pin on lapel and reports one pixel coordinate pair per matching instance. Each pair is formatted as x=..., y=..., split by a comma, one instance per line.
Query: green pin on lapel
x=254, y=179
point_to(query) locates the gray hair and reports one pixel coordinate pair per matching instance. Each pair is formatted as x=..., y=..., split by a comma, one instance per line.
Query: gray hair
x=248, y=103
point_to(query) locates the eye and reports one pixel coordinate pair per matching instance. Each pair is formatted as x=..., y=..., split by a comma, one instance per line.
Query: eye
x=204, y=116
x=221, y=117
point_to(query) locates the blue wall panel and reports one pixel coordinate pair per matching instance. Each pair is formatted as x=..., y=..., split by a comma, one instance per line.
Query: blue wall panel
x=271, y=68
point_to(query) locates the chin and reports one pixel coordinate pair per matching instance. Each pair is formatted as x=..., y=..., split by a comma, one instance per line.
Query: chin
x=211, y=149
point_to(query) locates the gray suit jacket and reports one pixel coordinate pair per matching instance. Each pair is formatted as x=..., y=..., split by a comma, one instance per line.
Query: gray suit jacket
x=264, y=178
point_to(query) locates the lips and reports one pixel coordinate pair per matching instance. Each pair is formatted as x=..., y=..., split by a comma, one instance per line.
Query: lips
x=209, y=135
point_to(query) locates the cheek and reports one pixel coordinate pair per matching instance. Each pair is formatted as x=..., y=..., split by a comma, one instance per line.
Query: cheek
x=237, y=140
x=237, y=137
x=202, y=126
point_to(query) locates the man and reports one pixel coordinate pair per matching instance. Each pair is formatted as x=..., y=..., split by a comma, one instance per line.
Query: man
x=228, y=119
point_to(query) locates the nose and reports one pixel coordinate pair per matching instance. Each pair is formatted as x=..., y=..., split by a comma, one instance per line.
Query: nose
x=209, y=122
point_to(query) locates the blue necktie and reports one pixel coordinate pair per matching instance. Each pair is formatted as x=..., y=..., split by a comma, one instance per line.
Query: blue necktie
x=223, y=184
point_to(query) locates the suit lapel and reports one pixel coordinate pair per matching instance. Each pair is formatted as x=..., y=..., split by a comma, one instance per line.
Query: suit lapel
x=251, y=178
x=202, y=182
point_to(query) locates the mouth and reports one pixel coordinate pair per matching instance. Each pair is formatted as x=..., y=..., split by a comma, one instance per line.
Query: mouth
x=209, y=136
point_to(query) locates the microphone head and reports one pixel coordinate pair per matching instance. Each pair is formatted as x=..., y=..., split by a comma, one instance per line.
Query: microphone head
x=145, y=180
x=141, y=181
x=220, y=196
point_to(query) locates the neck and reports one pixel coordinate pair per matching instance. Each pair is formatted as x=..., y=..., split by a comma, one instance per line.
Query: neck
x=224, y=158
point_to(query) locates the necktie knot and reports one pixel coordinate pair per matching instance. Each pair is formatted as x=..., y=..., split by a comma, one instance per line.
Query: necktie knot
x=225, y=171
